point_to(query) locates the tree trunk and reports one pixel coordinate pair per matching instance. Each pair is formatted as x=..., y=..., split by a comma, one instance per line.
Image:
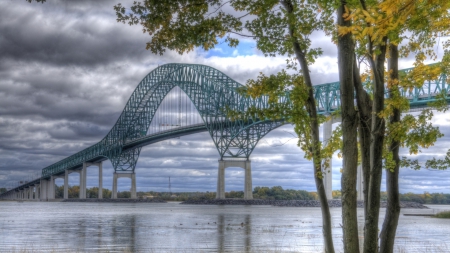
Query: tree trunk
x=312, y=111
x=364, y=104
x=349, y=135
x=387, y=236
x=376, y=153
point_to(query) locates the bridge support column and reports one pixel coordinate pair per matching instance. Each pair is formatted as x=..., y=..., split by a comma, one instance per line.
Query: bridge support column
x=83, y=175
x=100, y=180
x=248, y=189
x=44, y=189
x=51, y=188
x=37, y=195
x=132, y=176
x=66, y=184
x=27, y=193
x=328, y=172
x=244, y=164
x=30, y=193
x=220, y=193
x=359, y=184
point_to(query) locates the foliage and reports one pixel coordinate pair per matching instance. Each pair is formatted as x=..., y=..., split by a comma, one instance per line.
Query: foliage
x=272, y=193
x=444, y=214
x=379, y=27
x=73, y=192
x=278, y=193
x=336, y=194
x=2, y=190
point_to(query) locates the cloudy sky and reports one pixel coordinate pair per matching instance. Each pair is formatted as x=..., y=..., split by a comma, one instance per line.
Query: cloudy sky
x=67, y=69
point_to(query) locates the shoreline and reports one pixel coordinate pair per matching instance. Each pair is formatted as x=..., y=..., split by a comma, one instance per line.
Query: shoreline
x=281, y=203
x=291, y=203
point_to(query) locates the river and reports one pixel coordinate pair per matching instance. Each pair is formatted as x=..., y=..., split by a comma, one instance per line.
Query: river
x=171, y=227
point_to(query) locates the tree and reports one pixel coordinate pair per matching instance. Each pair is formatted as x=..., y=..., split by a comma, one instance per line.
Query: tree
x=378, y=28
x=350, y=123
x=278, y=27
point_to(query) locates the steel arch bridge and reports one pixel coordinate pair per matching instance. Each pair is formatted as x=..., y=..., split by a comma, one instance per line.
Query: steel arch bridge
x=211, y=92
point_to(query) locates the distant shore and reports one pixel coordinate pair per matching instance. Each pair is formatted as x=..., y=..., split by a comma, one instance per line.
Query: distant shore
x=281, y=203
x=116, y=200
x=289, y=203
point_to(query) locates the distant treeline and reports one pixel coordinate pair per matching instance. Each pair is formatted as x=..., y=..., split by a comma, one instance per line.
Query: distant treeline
x=425, y=198
x=275, y=192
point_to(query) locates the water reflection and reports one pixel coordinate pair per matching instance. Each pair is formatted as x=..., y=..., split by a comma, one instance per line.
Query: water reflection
x=172, y=227
x=123, y=231
x=234, y=235
x=220, y=232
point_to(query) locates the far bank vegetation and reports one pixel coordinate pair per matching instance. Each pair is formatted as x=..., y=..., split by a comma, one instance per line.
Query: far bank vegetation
x=259, y=192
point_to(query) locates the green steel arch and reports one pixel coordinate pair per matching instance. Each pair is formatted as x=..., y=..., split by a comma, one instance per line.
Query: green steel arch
x=211, y=92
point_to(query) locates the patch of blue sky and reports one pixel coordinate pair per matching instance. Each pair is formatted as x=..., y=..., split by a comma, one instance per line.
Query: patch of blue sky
x=223, y=50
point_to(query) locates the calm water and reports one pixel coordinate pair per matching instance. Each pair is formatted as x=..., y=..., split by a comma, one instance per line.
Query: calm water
x=171, y=227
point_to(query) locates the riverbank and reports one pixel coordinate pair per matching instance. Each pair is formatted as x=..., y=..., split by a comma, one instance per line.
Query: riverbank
x=116, y=200
x=288, y=203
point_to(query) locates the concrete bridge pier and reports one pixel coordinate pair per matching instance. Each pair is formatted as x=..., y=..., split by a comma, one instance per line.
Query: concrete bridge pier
x=44, y=189
x=27, y=193
x=244, y=164
x=83, y=176
x=116, y=176
x=66, y=184
x=31, y=192
x=37, y=193
x=51, y=186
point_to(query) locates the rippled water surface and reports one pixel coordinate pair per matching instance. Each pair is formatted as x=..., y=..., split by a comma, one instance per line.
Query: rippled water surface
x=171, y=227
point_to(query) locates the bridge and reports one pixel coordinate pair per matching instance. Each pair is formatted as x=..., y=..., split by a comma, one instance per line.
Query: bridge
x=164, y=105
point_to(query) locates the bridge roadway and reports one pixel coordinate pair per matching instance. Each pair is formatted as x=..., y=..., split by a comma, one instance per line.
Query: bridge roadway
x=190, y=78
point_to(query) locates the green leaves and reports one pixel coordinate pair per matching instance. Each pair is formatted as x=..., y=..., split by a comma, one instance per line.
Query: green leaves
x=181, y=25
